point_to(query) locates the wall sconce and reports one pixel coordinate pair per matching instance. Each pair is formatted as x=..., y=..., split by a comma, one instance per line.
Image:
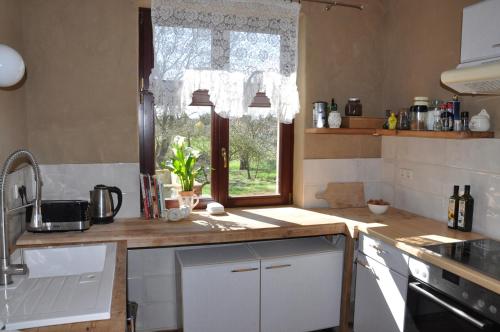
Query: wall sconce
x=11, y=66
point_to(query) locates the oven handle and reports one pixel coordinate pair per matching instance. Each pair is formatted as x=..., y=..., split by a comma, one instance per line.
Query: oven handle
x=462, y=314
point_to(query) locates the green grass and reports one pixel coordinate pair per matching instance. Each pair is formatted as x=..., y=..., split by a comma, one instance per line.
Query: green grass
x=240, y=185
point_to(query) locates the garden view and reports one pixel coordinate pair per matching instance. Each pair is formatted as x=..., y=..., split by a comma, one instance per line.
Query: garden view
x=252, y=150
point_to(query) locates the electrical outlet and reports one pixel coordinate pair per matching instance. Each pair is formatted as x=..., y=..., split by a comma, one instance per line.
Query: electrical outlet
x=406, y=174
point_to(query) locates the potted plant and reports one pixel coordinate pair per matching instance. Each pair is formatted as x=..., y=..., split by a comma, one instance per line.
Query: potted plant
x=182, y=163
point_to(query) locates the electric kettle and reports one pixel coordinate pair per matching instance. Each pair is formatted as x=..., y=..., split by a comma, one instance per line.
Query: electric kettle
x=102, y=207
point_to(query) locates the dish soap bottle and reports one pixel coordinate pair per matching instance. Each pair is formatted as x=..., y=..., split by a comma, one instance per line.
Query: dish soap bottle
x=453, y=208
x=465, y=211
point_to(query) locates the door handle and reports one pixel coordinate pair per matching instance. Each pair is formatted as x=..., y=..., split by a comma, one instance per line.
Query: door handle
x=245, y=270
x=224, y=156
x=278, y=266
x=457, y=311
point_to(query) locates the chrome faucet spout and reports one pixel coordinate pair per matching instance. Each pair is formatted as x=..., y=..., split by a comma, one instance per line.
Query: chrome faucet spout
x=7, y=269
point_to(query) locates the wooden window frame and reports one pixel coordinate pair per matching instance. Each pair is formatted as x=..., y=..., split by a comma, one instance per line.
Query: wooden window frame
x=219, y=138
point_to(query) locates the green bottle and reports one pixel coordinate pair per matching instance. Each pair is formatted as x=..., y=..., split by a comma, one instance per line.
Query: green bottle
x=453, y=208
x=465, y=211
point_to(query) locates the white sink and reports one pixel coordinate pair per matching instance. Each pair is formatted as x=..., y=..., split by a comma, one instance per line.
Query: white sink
x=64, y=285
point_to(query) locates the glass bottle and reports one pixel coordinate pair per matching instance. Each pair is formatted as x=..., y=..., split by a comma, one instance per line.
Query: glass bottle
x=453, y=208
x=465, y=211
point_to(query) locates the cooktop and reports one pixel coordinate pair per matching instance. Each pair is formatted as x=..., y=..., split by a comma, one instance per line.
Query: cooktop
x=481, y=255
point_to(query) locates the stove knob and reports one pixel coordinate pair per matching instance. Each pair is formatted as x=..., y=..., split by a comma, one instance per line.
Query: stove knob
x=481, y=304
x=493, y=309
x=465, y=295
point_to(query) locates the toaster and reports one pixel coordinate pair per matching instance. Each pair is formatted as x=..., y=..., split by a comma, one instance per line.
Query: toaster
x=62, y=215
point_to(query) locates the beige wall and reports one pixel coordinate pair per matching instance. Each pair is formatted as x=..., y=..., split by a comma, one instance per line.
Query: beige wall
x=415, y=55
x=343, y=56
x=81, y=91
x=12, y=113
x=340, y=56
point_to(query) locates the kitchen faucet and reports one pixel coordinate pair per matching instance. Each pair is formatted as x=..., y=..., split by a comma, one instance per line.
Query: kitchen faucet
x=7, y=269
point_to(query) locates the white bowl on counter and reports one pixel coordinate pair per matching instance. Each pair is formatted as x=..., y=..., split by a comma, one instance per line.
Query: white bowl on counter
x=378, y=209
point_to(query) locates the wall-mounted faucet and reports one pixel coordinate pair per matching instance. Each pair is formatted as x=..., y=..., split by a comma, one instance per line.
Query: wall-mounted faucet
x=7, y=269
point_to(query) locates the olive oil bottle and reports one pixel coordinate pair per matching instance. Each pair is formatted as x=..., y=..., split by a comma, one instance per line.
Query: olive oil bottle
x=453, y=208
x=465, y=211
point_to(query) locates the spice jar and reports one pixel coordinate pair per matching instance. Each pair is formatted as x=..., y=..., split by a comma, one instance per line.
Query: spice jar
x=353, y=107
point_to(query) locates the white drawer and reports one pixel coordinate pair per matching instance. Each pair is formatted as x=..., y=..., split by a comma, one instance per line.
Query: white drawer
x=384, y=253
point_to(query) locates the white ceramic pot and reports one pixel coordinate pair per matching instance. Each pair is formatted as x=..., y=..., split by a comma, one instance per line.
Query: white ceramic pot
x=480, y=122
x=334, y=120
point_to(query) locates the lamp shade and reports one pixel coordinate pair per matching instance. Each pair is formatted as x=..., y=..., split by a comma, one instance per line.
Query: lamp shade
x=11, y=66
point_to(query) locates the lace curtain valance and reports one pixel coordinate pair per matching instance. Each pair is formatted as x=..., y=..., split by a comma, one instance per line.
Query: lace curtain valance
x=233, y=48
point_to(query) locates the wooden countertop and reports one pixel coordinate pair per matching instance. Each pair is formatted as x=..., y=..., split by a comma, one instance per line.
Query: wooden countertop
x=117, y=322
x=236, y=225
x=404, y=230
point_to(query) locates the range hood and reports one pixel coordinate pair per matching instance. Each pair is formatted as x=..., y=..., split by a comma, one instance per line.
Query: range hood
x=478, y=79
x=479, y=69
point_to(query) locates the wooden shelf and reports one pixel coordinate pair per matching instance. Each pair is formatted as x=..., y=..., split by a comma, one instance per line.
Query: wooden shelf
x=435, y=134
x=402, y=133
x=342, y=131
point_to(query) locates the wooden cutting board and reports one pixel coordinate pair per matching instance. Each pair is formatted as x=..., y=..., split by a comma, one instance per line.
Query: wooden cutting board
x=341, y=195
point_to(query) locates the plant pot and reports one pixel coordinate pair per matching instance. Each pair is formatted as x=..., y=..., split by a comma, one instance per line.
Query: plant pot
x=189, y=199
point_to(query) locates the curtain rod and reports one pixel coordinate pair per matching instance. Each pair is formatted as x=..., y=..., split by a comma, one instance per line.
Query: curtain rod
x=330, y=4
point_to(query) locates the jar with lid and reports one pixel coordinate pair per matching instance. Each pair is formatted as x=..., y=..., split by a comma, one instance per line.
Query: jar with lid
x=353, y=107
x=418, y=117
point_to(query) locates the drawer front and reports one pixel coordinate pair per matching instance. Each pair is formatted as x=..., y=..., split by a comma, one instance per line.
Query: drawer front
x=384, y=253
x=380, y=297
x=301, y=293
x=222, y=297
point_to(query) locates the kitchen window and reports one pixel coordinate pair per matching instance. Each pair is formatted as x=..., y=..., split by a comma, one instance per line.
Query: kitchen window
x=246, y=160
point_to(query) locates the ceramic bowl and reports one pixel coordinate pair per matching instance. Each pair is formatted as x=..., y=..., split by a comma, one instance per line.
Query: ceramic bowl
x=378, y=209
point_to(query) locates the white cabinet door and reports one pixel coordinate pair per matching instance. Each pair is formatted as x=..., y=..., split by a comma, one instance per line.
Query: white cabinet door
x=221, y=298
x=481, y=31
x=301, y=293
x=380, y=297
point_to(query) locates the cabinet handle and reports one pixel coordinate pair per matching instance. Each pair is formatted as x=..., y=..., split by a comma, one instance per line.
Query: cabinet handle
x=496, y=45
x=378, y=249
x=245, y=270
x=277, y=266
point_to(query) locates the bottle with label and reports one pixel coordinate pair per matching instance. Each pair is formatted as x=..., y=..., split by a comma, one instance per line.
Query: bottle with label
x=453, y=208
x=465, y=211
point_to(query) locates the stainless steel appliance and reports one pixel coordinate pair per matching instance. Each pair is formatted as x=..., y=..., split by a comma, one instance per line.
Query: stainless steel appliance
x=61, y=216
x=102, y=207
x=439, y=300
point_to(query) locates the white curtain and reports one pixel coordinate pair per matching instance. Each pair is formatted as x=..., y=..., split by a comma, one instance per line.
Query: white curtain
x=233, y=48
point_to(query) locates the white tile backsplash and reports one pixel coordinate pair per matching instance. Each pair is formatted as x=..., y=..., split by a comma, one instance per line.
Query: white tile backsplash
x=74, y=181
x=319, y=172
x=437, y=165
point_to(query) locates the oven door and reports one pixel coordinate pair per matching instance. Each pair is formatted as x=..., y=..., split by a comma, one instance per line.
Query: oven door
x=429, y=310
